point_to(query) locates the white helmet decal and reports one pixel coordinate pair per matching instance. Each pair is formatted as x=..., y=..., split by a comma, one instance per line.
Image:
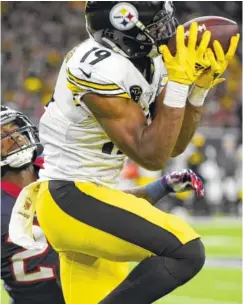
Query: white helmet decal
x=121, y=15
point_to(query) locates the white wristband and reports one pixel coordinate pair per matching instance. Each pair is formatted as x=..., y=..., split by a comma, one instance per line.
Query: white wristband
x=176, y=95
x=197, y=96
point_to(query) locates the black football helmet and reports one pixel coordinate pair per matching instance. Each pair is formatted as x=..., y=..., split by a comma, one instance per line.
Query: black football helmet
x=132, y=28
x=23, y=155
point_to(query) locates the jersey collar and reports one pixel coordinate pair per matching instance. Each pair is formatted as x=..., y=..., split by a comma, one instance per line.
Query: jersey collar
x=10, y=188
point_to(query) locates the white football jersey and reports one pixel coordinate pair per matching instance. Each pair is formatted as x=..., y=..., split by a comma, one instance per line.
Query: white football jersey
x=75, y=145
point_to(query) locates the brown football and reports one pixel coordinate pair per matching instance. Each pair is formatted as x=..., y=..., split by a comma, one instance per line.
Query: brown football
x=222, y=29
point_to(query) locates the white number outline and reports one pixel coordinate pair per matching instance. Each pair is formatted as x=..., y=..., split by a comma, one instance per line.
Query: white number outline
x=19, y=260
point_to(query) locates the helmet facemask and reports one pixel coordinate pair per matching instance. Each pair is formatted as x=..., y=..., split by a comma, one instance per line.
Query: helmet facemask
x=162, y=28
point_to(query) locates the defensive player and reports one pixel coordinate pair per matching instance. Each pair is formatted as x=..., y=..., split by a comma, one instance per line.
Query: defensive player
x=110, y=102
x=30, y=276
x=19, y=167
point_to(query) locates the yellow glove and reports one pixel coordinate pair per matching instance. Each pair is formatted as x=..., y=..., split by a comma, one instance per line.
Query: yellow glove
x=182, y=67
x=210, y=77
x=202, y=62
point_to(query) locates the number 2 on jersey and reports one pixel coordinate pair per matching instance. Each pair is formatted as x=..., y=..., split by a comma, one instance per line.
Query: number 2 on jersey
x=19, y=262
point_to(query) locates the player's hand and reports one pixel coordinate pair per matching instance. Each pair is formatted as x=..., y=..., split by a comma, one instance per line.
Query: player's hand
x=179, y=181
x=182, y=67
x=218, y=64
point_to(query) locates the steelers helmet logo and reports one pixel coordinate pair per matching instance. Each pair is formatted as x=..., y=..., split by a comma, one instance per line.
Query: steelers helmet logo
x=122, y=16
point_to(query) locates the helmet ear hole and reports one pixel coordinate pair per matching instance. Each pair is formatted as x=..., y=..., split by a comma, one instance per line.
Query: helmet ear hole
x=110, y=34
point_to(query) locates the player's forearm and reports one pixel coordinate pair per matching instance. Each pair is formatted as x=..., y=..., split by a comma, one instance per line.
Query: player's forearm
x=193, y=113
x=157, y=191
x=160, y=137
x=140, y=192
x=190, y=123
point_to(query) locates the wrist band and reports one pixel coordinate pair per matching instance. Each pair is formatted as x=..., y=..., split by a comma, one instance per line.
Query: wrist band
x=197, y=96
x=176, y=95
x=158, y=189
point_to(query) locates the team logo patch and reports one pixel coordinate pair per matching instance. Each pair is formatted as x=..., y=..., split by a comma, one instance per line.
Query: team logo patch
x=136, y=92
x=121, y=16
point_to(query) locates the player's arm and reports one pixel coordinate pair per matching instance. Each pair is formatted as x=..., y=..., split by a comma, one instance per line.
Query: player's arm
x=192, y=113
x=126, y=125
x=141, y=192
x=208, y=79
x=124, y=122
x=190, y=123
x=177, y=181
x=191, y=119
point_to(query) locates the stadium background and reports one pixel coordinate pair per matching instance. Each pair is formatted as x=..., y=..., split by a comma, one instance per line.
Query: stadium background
x=36, y=36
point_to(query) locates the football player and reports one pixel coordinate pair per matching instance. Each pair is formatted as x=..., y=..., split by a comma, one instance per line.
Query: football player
x=30, y=276
x=19, y=168
x=110, y=101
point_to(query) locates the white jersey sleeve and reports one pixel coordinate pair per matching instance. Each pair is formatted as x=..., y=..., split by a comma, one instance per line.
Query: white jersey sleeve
x=98, y=70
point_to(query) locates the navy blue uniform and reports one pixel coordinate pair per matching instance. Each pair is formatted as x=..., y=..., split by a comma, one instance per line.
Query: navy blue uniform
x=30, y=276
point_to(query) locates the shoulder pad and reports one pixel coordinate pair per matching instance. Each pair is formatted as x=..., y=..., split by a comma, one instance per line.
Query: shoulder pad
x=94, y=68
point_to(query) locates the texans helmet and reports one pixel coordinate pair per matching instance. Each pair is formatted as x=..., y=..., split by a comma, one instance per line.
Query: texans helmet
x=132, y=28
x=22, y=155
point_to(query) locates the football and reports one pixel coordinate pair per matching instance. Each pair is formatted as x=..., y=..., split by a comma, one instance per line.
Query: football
x=222, y=29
